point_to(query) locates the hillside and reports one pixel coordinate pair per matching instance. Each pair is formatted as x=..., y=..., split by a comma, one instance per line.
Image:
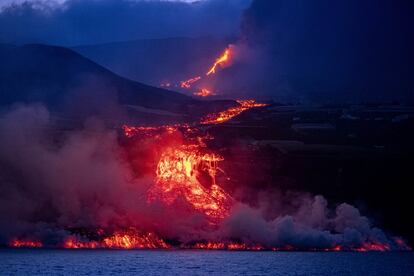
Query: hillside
x=156, y=60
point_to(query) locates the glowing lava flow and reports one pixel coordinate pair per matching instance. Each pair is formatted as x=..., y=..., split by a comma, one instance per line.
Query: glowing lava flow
x=203, y=92
x=187, y=83
x=25, y=243
x=120, y=240
x=224, y=116
x=178, y=174
x=223, y=60
x=373, y=246
x=180, y=167
x=153, y=131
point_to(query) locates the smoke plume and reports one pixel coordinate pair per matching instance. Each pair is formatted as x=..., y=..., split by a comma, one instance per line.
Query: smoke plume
x=325, y=51
x=53, y=182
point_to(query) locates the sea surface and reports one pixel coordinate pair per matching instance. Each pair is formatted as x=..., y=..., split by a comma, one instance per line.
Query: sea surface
x=193, y=262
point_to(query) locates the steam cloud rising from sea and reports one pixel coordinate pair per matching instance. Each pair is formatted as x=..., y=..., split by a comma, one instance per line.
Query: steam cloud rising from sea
x=52, y=182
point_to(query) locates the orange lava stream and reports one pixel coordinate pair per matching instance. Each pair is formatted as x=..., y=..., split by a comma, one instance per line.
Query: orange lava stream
x=120, y=240
x=373, y=246
x=177, y=176
x=224, y=116
x=152, y=131
x=204, y=92
x=223, y=60
x=180, y=167
x=187, y=83
x=26, y=243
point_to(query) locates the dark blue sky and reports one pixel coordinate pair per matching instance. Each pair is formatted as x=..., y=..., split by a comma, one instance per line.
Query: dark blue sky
x=319, y=49
x=342, y=49
x=99, y=21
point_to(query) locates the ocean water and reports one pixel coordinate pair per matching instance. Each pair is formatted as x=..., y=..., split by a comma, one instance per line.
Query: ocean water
x=193, y=262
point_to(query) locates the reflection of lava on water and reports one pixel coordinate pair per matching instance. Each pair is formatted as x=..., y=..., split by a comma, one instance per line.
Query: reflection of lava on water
x=224, y=60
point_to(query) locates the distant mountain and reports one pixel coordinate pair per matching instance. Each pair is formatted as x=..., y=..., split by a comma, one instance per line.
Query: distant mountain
x=157, y=60
x=66, y=81
x=76, y=87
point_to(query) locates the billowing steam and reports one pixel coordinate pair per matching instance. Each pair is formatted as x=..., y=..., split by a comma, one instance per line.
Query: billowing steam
x=89, y=188
x=307, y=51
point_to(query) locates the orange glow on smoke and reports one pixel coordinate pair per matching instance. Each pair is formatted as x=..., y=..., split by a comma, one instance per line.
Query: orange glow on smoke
x=26, y=243
x=224, y=116
x=179, y=170
x=204, y=92
x=180, y=167
x=188, y=83
x=402, y=244
x=177, y=175
x=223, y=60
x=373, y=246
x=336, y=248
x=120, y=240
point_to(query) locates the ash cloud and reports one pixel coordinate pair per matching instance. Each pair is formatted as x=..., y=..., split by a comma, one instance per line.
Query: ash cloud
x=326, y=51
x=77, y=22
x=50, y=182
x=311, y=226
x=87, y=179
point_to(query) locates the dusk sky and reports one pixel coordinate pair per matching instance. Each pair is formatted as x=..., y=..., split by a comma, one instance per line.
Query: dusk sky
x=132, y=131
x=88, y=22
x=347, y=49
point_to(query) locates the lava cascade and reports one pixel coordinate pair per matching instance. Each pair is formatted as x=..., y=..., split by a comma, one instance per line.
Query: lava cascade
x=177, y=177
x=224, y=116
x=223, y=60
x=188, y=83
x=204, y=92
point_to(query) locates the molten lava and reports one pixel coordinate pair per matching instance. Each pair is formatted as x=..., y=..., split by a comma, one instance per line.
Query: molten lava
x=26, y=243
x=204, y=92
x=224, y=116
x=223, y=60
x=130, y=239
x=180, y=167
x=153, y=131
x=373, y=246
x=188, y=83
x=177, y=176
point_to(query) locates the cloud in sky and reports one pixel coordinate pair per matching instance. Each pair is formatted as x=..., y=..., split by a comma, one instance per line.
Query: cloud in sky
x=6, y=3
x=72, y=22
